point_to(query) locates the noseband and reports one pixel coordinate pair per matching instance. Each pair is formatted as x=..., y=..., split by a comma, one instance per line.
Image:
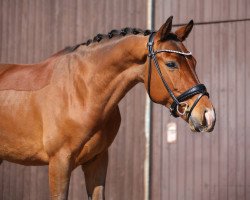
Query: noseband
x=178, y=102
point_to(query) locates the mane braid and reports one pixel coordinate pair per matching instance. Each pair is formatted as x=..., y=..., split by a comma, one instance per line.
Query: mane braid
x=111, y=34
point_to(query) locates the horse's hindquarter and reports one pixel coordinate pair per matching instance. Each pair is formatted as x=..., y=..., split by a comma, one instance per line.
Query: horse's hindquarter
x=21, y=129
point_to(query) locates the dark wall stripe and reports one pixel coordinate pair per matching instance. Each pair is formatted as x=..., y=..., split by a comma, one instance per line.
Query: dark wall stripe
x=201, y=10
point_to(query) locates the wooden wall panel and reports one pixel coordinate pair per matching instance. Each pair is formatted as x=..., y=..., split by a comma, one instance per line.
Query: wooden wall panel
x=247, y=115
x=209, y=166
x=201, y=10
x=32, y=30
x=198, y=166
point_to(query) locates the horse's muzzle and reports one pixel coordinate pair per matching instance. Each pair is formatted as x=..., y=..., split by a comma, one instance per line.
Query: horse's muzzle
x=205, y=123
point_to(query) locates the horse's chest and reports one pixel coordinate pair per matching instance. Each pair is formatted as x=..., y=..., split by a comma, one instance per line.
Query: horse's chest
x=98, y=143
x=101, y=140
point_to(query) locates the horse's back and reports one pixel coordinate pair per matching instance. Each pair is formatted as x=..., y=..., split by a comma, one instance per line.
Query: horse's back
x=25, y=77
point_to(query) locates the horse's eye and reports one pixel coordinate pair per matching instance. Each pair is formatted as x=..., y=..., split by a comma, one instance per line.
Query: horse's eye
x=171, y=65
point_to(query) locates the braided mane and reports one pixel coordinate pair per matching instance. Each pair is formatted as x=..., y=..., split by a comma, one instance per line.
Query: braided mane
x=111, y=34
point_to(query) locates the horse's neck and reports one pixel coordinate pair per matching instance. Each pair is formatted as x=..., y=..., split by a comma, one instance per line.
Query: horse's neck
x=116, y=68
x=120, y=53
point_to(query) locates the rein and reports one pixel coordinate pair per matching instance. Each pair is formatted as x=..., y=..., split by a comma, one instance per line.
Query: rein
x=180, y=100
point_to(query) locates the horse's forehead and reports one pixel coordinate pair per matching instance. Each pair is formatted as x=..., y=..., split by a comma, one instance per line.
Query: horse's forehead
x=173, y=45
x=179, y=46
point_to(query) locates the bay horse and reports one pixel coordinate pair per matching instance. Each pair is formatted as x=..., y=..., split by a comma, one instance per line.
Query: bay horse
x=63, y=112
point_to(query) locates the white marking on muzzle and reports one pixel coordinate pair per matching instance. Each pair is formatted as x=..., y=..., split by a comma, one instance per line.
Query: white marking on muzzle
x=210, y=117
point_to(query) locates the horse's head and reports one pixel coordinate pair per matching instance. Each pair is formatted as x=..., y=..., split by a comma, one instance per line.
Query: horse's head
x=171, y=79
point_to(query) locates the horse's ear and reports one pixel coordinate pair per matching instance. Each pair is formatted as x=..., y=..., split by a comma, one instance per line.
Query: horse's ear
x=183, y=32
x=165, y=29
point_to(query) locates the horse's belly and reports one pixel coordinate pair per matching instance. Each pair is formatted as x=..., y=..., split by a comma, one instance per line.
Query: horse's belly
x=25, y=154
x=19, y=148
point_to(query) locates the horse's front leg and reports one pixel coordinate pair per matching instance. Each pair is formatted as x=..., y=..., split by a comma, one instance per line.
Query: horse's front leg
x=59, y=176
x=95, y=175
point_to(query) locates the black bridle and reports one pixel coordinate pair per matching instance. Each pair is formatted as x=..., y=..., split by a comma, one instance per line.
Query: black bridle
x=177, y=101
